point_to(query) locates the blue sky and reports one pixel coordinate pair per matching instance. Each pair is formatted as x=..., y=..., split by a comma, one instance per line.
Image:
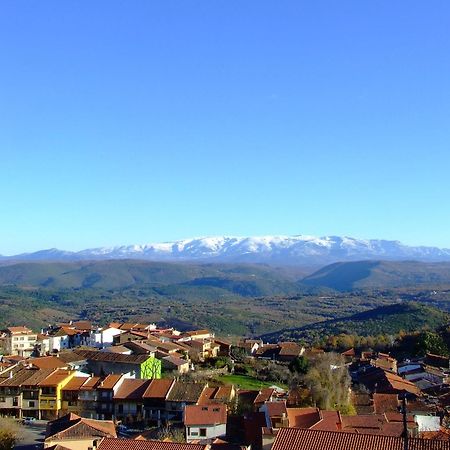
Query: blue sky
x=135, y=121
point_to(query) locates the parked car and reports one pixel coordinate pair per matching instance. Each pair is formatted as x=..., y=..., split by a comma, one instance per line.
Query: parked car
x=28, y=420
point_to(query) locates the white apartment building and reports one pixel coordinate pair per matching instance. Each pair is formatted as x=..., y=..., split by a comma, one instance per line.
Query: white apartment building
x=19, y=341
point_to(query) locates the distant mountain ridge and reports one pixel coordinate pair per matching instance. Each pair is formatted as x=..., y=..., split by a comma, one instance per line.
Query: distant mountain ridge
x=281, y=250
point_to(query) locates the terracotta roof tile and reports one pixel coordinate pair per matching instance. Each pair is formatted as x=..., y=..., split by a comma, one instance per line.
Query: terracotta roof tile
x=303, y=439
x=207, y=396
x=264, y=395
x=95, y=355
x=110, y=381
x=131, y=389
x=158, y=388
x=91, y=383
x=303, y=417
x=276, y=408
x=205, y=415
x=72, y=426
x=47, y=362
x=18, y=379
x=19, y=330
x=75, y=384
x=185, y=392
x=56, y=377
x=129, y=444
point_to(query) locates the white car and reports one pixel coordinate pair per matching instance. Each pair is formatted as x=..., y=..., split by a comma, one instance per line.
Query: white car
x=28, y=420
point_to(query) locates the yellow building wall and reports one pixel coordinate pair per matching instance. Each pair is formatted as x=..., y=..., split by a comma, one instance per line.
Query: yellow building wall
x=53, y=402
x=72, y=444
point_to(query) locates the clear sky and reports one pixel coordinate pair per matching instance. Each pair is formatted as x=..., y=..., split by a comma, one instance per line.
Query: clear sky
x=135, y=121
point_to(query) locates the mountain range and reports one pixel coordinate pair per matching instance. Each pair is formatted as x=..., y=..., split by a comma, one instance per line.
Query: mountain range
x=297, y=250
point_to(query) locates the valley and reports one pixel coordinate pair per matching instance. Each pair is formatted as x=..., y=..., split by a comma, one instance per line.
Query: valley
x=233, y=299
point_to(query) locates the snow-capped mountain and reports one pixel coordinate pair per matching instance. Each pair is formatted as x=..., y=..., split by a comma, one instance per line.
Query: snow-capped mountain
x=301, y=250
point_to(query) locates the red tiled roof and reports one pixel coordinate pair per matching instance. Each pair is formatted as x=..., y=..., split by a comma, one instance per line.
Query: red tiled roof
x=75, y=384
x=96, y=355
x=264, y=395
x=303, y=417
x=198, y=332
x=72, y=426
x=56, y=377
x=276, y=408
x=385, y=402
x=329, y=421
x=19, y=378
x=207, y=396
x=131, y=389
x=130, y=444
x=90, y=384
x=19, y=330
x=110, y=381
x=303, y=439
x=185, y=392
x=205, y=415
x=48, y=362
x=158, y=388
x=224, y=393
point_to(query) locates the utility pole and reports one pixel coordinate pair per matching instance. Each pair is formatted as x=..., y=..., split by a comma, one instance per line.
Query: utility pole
x=405, y=422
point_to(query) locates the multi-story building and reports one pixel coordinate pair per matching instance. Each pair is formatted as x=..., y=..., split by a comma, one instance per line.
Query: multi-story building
x=19, y=341
x=132, y=366
x=88, y=397
x=155, y=401
x=128, y=401
x=70, y=395
x=31, y=392
x=11, y=394
x=107, y=390
x=50, y=400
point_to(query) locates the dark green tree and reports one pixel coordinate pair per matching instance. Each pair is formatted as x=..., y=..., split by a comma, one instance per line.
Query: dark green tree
x=299, y=365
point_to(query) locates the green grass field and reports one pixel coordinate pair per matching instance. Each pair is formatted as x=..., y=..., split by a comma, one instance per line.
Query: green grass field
x=246, y=382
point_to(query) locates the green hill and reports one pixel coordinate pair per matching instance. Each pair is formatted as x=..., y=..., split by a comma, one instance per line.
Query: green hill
x=390, y=319
x=243, y=280
x=379, y=274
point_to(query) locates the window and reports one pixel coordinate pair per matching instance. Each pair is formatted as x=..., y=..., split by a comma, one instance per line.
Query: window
x=203, y=432
x=120, y=409
x=15, y=401
x=31, y=404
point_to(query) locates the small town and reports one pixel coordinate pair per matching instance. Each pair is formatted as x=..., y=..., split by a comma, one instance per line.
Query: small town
x=224, y=225
x=134, y=385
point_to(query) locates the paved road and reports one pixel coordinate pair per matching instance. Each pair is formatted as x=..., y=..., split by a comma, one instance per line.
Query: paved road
x=32, y=436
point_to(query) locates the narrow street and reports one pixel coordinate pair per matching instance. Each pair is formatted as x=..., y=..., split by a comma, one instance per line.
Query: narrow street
x=32, y=436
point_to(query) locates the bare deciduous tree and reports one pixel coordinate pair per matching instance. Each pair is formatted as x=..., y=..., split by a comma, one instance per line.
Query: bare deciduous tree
x=329, y=382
